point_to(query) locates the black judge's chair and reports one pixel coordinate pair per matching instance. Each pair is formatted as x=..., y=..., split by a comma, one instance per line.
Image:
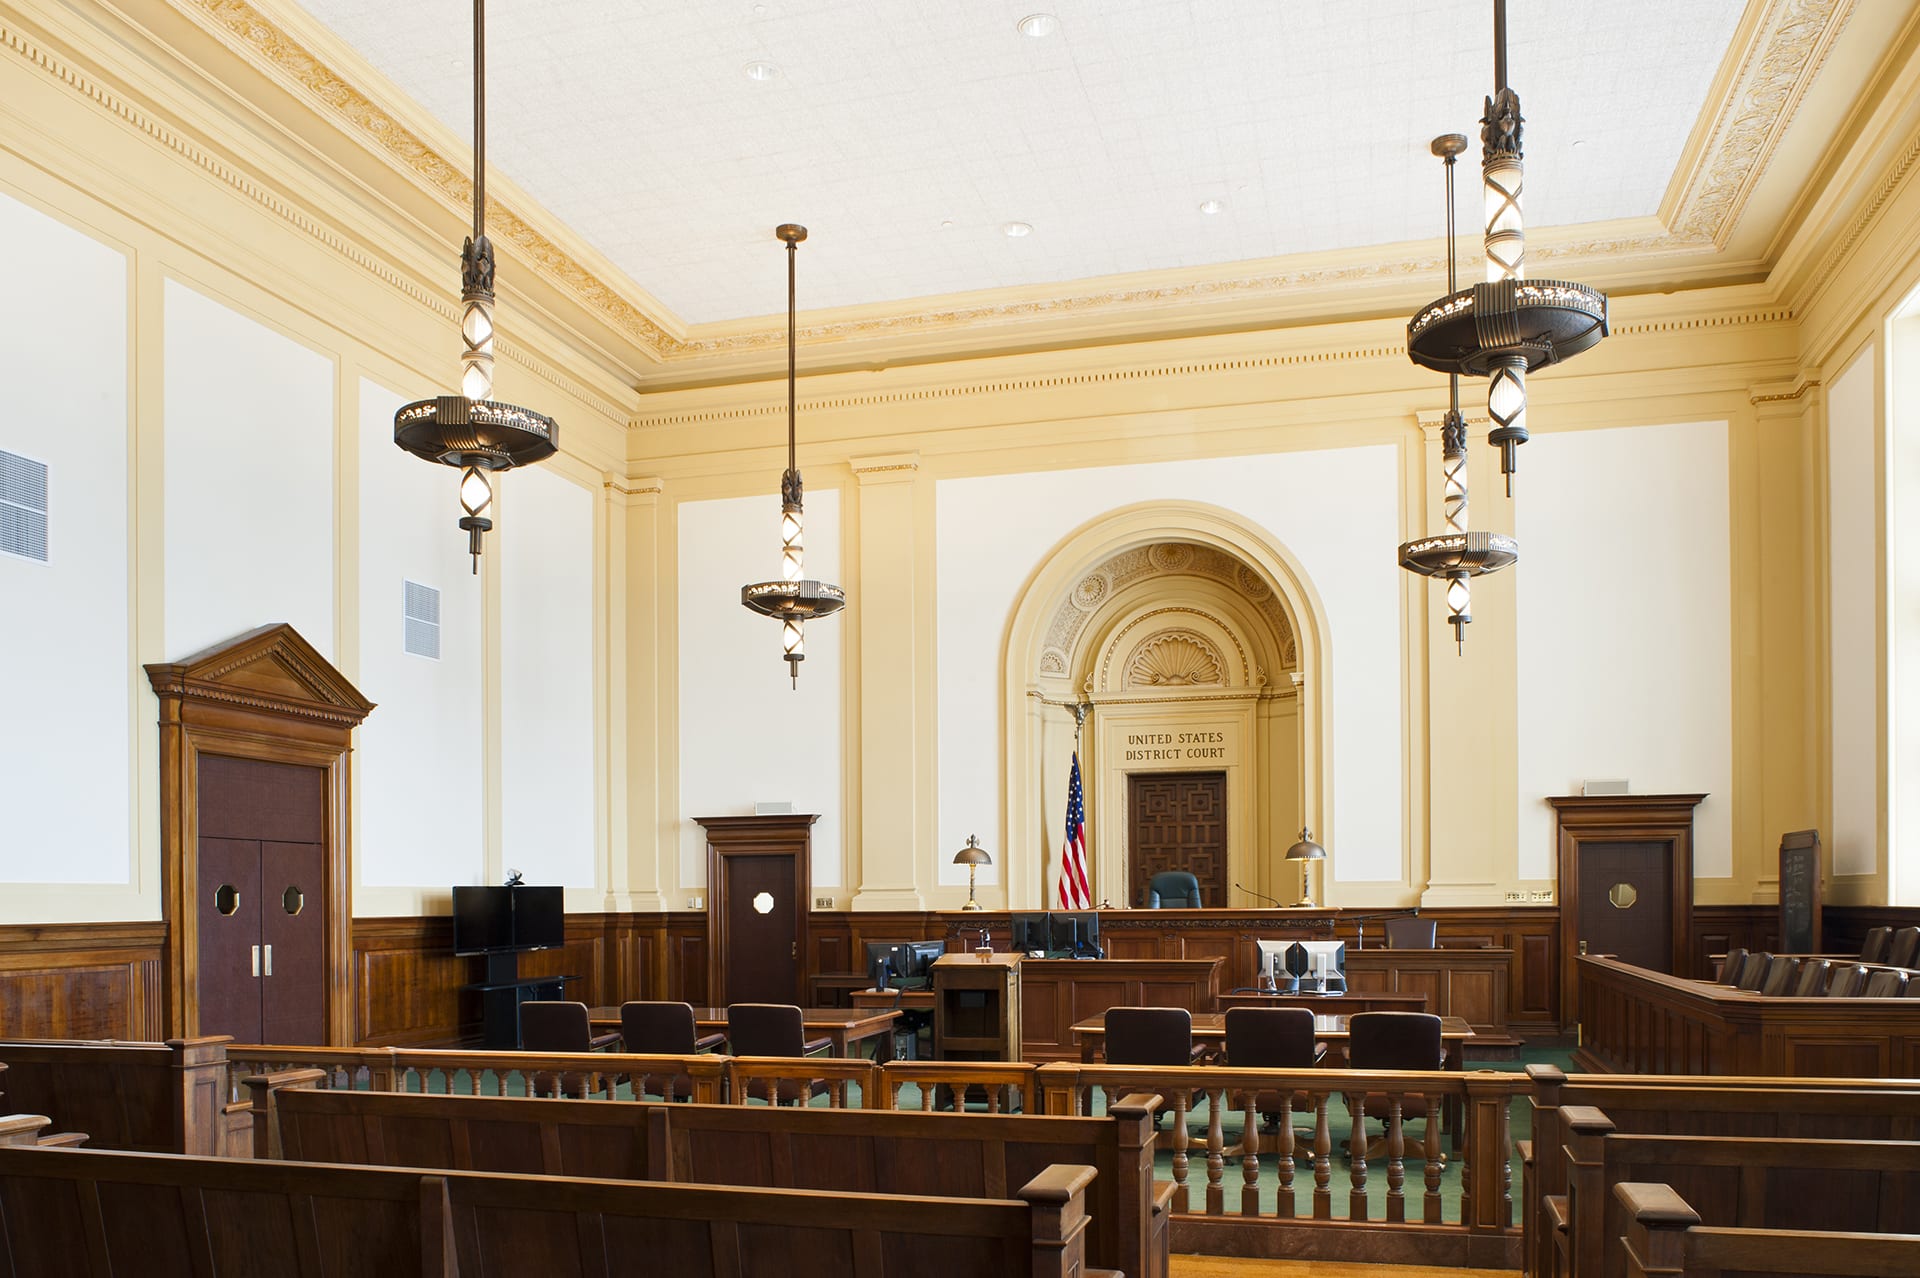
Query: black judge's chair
x=1173, y=890
x=1412, y=934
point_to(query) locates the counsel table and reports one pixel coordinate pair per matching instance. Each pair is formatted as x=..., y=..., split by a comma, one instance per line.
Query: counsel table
x=846, y=1027
x=1211, y=1028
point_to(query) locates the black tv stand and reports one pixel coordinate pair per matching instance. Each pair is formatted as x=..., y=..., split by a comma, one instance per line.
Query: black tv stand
x=502, y=991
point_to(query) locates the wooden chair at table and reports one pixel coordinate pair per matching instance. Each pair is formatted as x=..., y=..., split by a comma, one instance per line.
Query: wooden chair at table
x=1904, y=948
x=556, y=1026
x=1401, y=1041
x=665, y=1029
x=1885, y=983
x=1847, y=981
x=1878, y=942
x=773, y=1029
x=1412, y=934
x=1812, y=981
x=1152, y=1036
x=1780, y=975
x=1274, y=1038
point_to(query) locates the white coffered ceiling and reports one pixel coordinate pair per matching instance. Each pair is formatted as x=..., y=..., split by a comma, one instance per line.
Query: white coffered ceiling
x=906, y=133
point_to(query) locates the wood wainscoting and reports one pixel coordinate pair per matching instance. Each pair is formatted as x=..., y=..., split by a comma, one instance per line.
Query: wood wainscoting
x=82, y=980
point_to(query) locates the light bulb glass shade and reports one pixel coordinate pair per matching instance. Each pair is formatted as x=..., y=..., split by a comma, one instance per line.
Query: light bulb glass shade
x=477, y=326
x=1507, y=395
x=791, y=640
x=476, y=490
x=1454, y=490
x=792, y=552
x=476, y=379
x=1506, y=241
x=1459, y=598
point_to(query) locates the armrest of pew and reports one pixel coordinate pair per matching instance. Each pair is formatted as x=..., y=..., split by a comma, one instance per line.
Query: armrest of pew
x=23, y=1129
x=1659, y=1219
x=266, y=1121
x=63, y=1140
x=1058, y=1199
x=1526, y=1151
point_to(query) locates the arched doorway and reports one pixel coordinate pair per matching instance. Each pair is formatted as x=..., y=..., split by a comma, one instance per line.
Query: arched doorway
x=1197, y=645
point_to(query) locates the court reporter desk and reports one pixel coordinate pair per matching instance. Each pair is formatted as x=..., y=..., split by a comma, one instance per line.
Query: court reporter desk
x=1054, y=993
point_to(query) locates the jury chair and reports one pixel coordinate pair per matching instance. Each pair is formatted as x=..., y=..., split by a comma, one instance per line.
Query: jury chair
x=556, y=1026
x=1273, y=1038
x=1886, y=983
x=1904, y=948
x=1395, y=1040
x=1753, y=971
x=1151, y=1036
x=1812, y=981
x=1878, y=943
x=1173, y=890
x=666, y=1029
x=1847, y=981
x=1780, y=975
x=772, y=1029
x=1412, y=934
x=1731, y=965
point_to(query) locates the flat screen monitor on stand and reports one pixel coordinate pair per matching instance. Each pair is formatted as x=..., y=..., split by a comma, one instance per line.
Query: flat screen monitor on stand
x=1273, y=965
x=1029, y=933
x=1073, y=934
x=1318, y=967
x=904, y=965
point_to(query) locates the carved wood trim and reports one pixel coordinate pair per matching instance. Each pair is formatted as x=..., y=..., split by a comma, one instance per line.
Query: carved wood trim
x=267, y=695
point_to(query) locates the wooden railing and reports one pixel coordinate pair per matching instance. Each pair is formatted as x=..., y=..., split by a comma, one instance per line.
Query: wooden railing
x=581, y=1075
x=1005, y=1088
x=1665, y=1239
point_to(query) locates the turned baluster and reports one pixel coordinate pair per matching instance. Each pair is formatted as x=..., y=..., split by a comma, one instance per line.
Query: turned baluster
x=1322, y=1159
x=1396, y=1162
x=1216, y=1153
x=1283, y=1205
x=1357, y=1156
x=1434, y=1152
x=1249, y=1155
x=1180, y=1202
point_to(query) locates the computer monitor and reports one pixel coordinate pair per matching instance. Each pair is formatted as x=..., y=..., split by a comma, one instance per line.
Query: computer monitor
x=917, y=962
x=1075, y=933
x=1273, y=963
x=1029, y=933
x=881, y=960
x=1319, y=967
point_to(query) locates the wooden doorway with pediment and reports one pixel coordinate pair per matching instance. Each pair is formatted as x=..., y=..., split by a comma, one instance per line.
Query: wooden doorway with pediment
x=1187, y=654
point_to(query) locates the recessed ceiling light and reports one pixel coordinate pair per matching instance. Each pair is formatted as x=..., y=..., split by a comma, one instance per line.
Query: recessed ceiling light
x=761, y=72
x=946, y=224
x=1015, y=230
x=1210, y=207
x=1038, y=26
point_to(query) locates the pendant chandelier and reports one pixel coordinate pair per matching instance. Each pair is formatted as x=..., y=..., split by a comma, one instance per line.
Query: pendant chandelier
x=469, y=431
x=793, y=600
x=1500, y=329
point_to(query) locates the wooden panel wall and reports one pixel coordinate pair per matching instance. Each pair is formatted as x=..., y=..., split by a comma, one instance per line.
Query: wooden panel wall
x=82, y=980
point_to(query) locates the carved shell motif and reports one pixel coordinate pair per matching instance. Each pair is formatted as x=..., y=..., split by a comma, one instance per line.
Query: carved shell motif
x=1175, y=659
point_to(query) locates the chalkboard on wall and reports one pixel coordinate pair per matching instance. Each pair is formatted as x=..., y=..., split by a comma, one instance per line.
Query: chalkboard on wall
x=1800, y=892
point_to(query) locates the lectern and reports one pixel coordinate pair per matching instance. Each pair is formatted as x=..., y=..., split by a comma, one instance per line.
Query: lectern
x=976, y=1007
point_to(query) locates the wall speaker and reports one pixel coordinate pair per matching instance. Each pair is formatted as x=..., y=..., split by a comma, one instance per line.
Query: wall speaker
x=1591, y=788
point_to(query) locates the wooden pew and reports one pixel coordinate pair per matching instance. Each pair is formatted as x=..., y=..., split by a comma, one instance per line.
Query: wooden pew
x=1682, y=1104
x=152, y=1097
x=81, y=1213
x=1862, y=1186
x=974, y=1156
x=1665, y=1239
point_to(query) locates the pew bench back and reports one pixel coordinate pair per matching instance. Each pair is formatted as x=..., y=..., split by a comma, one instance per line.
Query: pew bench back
x=150, y=1097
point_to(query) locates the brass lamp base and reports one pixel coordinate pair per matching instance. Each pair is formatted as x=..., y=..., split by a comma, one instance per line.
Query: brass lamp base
x=1304, y=903
x=971, y=903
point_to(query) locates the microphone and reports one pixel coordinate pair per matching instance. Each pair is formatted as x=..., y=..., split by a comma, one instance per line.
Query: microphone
x=1250, y=892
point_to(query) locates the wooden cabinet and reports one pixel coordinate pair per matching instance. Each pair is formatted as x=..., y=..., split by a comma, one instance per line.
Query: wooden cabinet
x=976, y=1007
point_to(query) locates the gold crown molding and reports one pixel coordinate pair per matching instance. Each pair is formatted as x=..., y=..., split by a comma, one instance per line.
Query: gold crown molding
x=1796, y=37
x=888, y=464
x=1868, y=215
x=1786, y=392
x=639, y=487
x=1781, y=64
x=213, y=166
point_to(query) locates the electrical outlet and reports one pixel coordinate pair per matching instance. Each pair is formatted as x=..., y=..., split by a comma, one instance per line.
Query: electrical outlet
x=1542, y=894
x=696, y=903
x=1516, y=896
x=823, y=903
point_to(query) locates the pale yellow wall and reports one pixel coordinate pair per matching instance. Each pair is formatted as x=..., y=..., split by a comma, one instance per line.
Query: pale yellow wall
x=119, y=137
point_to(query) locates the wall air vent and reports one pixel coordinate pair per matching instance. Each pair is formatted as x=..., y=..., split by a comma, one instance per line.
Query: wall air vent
x=23, y=507
x=423, y=620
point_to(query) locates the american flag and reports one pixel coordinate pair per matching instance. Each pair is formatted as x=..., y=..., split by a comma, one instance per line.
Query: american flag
x=1074, y=892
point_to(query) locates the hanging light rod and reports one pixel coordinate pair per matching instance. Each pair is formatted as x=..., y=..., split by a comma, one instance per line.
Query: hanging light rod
x=1507, y=326
x=470, y=431
x=794, y=600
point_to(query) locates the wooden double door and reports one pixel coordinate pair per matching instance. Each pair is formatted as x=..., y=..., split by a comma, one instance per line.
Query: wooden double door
x=262, y=913
x=1177, y=821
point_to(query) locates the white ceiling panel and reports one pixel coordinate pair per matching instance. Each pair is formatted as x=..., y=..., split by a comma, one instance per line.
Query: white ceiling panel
x=905, y=133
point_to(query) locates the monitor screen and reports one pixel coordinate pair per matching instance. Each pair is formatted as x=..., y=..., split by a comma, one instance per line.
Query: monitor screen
x=1029, y=933
x=921, y=956
x=1319, y=964
x=1074, y=932
x=1273, y=962
x=482, y=920
x=539, y=918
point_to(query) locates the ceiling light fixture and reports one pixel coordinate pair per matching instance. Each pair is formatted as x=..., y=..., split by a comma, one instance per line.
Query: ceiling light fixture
x=1038, y=26
x=761, y=72
x=1016, y=230
x=469, y=431
x=1508, y=326
x=793, y=600
x=1210, y=207
x=1456, y=555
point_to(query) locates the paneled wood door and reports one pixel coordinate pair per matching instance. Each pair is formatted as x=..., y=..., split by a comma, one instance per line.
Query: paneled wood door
x=759, y=871
x=1177, y=821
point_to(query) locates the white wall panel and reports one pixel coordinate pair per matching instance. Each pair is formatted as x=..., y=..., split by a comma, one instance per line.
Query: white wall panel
x=66, y=766
x=1336, y=512
x=249, y=421
x=1625, y=626
x=422, y=746
x=543, y=533
x=746, y=735
x=1853, y=603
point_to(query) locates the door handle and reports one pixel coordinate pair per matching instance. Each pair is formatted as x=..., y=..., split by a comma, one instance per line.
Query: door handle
x=256, y=960
x=1583, y=947
x=269, y=971
x=796, y=950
